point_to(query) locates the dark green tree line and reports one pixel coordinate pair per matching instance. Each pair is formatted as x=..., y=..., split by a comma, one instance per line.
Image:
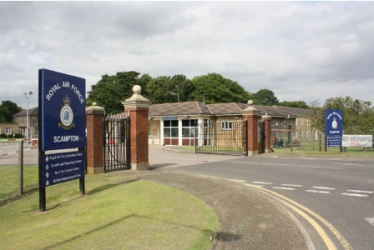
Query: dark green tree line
x=7, y=109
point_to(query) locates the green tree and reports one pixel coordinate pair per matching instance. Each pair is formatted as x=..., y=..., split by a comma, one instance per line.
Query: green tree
x=159, y=90
x=7, y=109
x=294, y=104
x=110, y=91
x=265, y=97
x=358, y=115
x=165, y=89
x=213, y=88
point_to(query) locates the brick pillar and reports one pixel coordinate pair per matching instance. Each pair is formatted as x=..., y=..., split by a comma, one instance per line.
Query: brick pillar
x=137, y=107
x=95, y=139
x=251, y=115
x=267, y=119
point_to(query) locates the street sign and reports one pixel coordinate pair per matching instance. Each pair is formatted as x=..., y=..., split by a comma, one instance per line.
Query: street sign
x=334, y=127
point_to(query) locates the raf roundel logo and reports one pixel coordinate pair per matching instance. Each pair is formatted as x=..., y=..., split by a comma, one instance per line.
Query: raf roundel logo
x=66, y=115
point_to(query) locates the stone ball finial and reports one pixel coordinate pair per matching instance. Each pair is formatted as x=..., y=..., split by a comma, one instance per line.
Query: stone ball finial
x=137, y=89
x=250, y=102
x=94, y=104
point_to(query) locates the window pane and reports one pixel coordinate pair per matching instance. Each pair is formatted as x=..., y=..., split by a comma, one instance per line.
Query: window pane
x=185, y=132
x=166, y=132
x=174, y=123
x=174, y=132
x=167, y=123
x=185, y=123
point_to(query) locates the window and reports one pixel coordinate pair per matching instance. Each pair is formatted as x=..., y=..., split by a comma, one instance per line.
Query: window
x=301, y=134
x=8, y=131
x=34, y=120
x=171, y=128
x=302, y=121
x=189, y=128
x=296, y=121
x=307, y=134
x=226, y=125
x=307, y=122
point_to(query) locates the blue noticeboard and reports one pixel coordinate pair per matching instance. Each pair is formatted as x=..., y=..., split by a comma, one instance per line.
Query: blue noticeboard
x=334, y=127
x=61, y=167
x=63, y=110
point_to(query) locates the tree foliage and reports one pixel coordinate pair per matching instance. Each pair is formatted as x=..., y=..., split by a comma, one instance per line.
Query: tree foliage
x=358, y=115
x=7, y=109
x=111, y=90
x=294, y=104
x=165, y=89
x=214, y=88
x=264, y=97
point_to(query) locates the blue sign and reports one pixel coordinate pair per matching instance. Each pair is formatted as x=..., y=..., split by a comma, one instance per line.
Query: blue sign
x=62, y=167
x=334, y=127
x=63, y=110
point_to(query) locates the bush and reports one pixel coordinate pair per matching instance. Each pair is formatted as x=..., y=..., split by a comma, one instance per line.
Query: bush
x=5, y=136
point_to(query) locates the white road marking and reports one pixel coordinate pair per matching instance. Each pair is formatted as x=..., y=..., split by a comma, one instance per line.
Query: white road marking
x=360, y=191
x=241, y=181
x=284, y=188
x=262, y=183
x=324, y=188
x=356, y=195
x=349, y=164
x=292, y=185
x=370, y=220
x=318, y=191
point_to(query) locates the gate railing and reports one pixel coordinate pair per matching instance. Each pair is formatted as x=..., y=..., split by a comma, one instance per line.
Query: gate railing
x=116, y=144
x=222, y=137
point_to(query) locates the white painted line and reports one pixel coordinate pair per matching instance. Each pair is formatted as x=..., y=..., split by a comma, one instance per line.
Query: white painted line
x=349, y=164
x=324, y=188
x=284, y=188
x=370, y=220
x=292, y=185
x=318, y=191
x=360, y=191
x=262, y=183
x=241, y=181
x=356, y=195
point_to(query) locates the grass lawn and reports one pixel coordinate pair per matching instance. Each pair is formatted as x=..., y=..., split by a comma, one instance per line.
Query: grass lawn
x=9, y=180
x=115, y=213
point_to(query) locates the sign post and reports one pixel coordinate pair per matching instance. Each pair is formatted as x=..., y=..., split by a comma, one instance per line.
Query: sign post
x=62, y=125
x=334, y=128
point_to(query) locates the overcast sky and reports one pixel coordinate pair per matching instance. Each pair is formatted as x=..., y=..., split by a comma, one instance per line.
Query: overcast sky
x=306, y=51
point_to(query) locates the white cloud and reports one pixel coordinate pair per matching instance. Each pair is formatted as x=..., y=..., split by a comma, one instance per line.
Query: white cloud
x=300, y=50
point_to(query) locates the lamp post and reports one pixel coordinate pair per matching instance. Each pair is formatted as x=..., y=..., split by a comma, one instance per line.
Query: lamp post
x=27, y=96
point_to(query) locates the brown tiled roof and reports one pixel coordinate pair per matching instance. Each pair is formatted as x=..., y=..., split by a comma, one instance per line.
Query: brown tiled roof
x=179, y=108
x=232, y=108
x=227, y=108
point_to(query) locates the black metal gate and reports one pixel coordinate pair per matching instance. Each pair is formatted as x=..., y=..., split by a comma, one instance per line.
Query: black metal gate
x=228, y=137
x=116, y=144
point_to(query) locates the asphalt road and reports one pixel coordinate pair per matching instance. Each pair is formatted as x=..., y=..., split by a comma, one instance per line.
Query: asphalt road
x=335, y=195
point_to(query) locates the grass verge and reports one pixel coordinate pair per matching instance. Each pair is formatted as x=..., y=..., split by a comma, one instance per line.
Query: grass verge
x=114, y=214
x=308, y=148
